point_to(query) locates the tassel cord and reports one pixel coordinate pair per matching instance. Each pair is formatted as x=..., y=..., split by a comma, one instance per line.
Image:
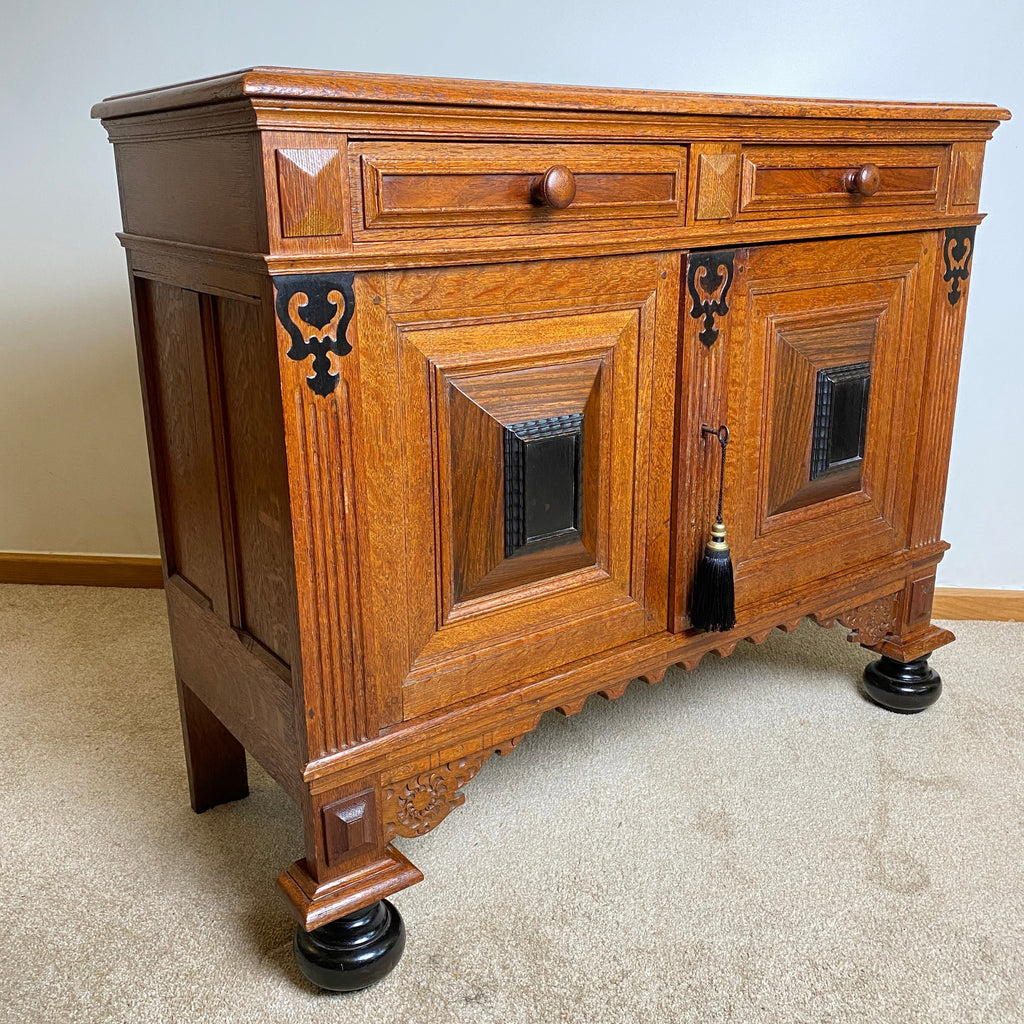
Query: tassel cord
x=722, y=433
x=721, y=476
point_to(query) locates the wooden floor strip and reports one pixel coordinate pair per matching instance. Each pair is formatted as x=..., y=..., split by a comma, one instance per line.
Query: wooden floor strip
x=80, y=570
x=128, y=571
x=964, y=603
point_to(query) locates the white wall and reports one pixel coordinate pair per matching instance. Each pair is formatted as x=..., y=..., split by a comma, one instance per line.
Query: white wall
x=73, y=470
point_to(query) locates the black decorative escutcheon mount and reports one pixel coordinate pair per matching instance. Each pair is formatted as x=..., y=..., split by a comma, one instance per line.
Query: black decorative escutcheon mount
x=315, y=310
x=957, y=253
x=708, y=279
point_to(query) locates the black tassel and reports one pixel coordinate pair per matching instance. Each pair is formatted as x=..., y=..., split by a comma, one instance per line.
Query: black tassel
x=713, y=606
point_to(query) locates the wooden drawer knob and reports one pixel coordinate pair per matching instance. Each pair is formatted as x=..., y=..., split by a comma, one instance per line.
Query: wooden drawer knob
x=864, y=182
x=556, y=187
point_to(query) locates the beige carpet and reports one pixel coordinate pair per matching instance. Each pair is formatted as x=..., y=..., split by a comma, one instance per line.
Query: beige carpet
x=751, y=841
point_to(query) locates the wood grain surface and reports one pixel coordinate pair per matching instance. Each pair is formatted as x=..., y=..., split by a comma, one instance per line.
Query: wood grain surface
x=295, y=84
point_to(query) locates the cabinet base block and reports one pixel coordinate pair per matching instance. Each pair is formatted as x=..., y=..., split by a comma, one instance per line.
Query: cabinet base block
x=354, y=951
x=904, y=687
x=316, y=905
x=918, y=643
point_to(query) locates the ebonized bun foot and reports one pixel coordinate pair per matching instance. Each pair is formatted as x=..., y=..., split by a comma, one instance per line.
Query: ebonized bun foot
x=354, y=951
x=904, y=687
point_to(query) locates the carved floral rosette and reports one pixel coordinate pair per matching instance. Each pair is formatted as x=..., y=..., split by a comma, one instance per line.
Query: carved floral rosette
x=869, y=624
x=413, y=806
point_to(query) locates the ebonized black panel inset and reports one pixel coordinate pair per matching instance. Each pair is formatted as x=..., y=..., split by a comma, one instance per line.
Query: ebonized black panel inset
x=840, y=417
x=315, y=310
x=708, y=279
x=543, y=482
x=957, y=253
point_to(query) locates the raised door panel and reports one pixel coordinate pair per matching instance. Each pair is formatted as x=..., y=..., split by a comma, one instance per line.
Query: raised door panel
x=813, y=355
x=828, y=341
x=528, y=439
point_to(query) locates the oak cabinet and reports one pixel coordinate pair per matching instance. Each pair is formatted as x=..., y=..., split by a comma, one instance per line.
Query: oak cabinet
x=436, y=376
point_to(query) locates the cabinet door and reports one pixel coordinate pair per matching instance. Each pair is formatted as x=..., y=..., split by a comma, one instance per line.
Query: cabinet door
x=818, y=374
x=518, y=473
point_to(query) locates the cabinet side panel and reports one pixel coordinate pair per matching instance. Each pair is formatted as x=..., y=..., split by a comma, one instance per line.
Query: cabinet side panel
x=189, y=379
x=258, y=476
x=206, y=191
x=253, y=700
x=170, y=323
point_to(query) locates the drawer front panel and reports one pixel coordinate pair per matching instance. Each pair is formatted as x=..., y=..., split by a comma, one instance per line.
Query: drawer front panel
x=429, y=190
x=812, y=179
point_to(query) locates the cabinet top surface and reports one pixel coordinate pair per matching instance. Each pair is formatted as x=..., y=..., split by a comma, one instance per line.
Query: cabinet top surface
x=293, y=86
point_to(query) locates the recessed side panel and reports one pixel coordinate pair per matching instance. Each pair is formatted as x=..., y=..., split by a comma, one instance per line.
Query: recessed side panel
x=171, y=325
x=257, y=475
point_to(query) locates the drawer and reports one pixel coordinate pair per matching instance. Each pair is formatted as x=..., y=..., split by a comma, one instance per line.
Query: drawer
x=816, y=180
x=437, y=189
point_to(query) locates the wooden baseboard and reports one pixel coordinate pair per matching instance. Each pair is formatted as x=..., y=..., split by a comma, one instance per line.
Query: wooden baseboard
x=80, y=570
x=122, y=571
x=964, y=603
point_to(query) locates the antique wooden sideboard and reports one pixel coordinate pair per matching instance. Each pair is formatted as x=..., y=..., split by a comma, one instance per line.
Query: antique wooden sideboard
x=434, y=373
